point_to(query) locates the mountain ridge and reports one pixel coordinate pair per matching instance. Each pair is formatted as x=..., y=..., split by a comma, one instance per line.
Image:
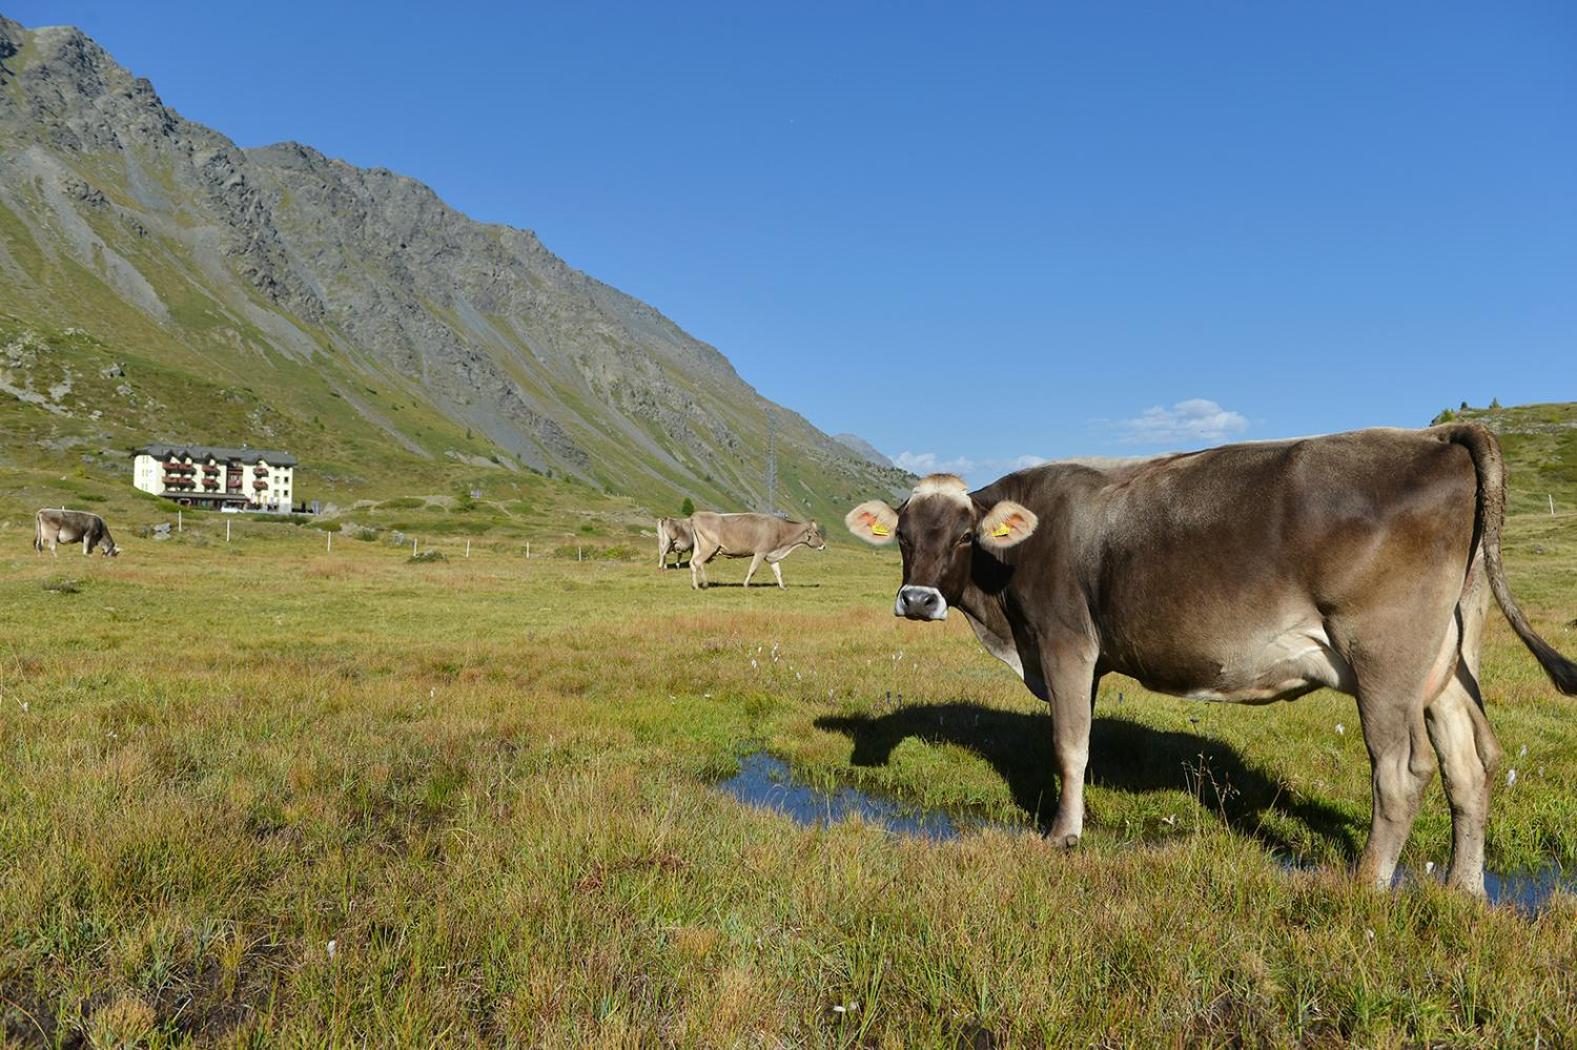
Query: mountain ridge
x=358, y=296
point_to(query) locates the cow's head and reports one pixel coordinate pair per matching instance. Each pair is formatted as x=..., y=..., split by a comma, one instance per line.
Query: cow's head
x=815, y=538
x=937, y=529
x=108, y=546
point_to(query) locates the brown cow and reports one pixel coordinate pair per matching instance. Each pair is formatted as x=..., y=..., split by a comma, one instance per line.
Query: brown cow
x=1361, y=562
x=755, y=536
x=674, y=536
x=52, y=526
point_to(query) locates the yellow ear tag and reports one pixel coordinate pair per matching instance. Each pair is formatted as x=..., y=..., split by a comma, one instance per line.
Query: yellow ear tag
x=878, y=529
x=1003, y=529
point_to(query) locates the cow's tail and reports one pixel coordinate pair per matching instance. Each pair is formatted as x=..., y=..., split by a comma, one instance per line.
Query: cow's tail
x=1491, y=469
x=38, y=532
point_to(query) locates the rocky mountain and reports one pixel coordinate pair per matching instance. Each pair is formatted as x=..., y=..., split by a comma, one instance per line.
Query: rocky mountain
x=864, y=449
x=278, y=295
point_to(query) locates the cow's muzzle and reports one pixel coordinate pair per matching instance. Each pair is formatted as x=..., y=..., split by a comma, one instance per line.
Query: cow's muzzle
x=920, y=603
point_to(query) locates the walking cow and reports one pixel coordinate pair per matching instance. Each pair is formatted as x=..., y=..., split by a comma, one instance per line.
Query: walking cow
x=52, y=526
x=759, y=537
x=1362, y=562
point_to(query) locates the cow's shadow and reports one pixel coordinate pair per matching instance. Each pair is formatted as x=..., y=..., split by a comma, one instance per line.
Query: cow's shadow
x=770, y=585
x=1124, y=755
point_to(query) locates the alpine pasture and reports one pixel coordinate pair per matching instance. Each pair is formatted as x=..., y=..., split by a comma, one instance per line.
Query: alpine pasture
x=266, y=792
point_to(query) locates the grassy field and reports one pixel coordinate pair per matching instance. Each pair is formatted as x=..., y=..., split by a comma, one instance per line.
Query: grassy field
x=260, y=793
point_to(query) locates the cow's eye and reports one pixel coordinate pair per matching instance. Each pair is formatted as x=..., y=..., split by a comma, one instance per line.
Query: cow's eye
x=967, y=537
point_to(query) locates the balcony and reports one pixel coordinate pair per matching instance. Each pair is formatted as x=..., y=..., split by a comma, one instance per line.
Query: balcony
x=260, y=485
x=260, y=472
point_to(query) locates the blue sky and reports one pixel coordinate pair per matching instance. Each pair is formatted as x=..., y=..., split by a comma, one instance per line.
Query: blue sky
x=979, y=233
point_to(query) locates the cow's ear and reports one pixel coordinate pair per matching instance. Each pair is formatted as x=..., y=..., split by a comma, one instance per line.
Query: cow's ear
x=872, y=521
x=1006, y=525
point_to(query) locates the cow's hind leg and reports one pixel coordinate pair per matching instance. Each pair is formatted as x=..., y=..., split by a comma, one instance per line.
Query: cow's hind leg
x=1469, y=755
x=1464, y=742
x=777, y=571
x=1402, y=766
x=755, y=563
x=1396, y=683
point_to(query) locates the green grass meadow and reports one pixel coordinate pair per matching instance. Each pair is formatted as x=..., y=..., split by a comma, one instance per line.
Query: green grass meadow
x=262, y=793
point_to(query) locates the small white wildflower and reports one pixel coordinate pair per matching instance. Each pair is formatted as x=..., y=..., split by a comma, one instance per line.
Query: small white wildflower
x=1340, y=729
x=24, y=707
x=1169, y=820
x=1368, y=935
x=754, y=666
x=1511, y=777
x=433, y=692
x=1523, y=753
x=1429, y=867
x=333, y=946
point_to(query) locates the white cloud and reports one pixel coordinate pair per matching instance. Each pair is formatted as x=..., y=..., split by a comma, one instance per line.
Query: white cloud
x=931, y=463
x=975, y=471
x=1195, y=421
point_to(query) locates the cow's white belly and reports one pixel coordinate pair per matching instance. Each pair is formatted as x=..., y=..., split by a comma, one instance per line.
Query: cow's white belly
x=1282, y=666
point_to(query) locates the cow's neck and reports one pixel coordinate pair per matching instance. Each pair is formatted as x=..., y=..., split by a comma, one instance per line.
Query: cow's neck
x=987, y=614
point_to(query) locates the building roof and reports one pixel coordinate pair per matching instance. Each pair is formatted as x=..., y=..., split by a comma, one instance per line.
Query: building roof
x=161, y=450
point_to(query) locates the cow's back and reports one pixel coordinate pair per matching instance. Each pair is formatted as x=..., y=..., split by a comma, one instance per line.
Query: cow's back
x=731, y=533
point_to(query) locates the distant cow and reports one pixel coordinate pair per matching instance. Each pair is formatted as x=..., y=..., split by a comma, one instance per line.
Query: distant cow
x=674, y=536
x=52, y=526
x=1360, y=562
x=759, y=537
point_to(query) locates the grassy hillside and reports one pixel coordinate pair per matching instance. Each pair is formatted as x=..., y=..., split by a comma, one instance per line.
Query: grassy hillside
x=1540, y=442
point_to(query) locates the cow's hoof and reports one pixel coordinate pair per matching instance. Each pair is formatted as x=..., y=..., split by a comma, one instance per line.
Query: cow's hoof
x=1064, y=840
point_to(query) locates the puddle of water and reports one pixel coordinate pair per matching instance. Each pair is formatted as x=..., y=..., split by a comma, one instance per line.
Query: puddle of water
x=766, y=782
x=1527, y=893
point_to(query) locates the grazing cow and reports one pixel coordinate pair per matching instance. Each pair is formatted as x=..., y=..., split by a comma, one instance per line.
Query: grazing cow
x=759, y=537
x=52, y=526
x=674, y=536
x=1360, y=562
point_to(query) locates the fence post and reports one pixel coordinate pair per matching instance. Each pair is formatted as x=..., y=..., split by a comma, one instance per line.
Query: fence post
x=331, y=543
x=467, y=548
x=528, y=550
x=227, y=530
x=1551, y=498
x=577, y=552
x=413, y=546
x=179, y=525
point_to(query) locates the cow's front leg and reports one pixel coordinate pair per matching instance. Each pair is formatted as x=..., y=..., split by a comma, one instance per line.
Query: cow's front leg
x=777, y=571
x=755, y=563
x=1070, y=683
